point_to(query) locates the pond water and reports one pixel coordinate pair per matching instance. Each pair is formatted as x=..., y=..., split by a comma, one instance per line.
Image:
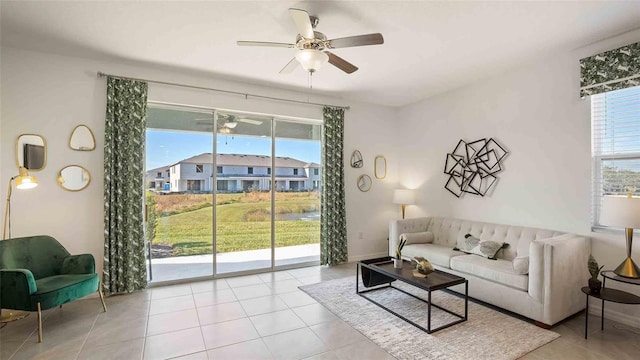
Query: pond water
x=309, y=216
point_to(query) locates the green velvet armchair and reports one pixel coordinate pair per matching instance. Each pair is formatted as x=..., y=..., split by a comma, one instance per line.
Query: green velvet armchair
x=37, y=273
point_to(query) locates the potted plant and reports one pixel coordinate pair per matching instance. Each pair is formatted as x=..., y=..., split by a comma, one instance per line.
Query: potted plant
x=594, y=270
x=397, y=262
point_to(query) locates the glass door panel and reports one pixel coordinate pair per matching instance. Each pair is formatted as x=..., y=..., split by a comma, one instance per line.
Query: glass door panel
x=297, y=192
x=243, y=192
x=179, y=192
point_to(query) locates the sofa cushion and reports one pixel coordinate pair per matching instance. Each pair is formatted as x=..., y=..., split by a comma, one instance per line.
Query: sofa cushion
x=521, y=265
x=423, y=237
x=61, y=289
x=435, y=254
x=500, y=270
x=487, y=248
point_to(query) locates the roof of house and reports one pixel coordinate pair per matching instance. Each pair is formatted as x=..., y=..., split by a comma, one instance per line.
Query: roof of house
x=160, y=169
x=247, y=160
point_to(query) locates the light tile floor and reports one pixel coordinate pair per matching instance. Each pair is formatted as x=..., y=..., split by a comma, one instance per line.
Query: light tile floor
x=260, y=316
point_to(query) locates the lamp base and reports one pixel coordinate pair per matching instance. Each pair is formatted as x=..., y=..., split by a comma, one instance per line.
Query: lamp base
x=628, y=269
x=12, y=315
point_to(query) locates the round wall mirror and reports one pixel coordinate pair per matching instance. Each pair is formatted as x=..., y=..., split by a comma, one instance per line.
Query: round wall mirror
x=31, y=152
x=82, y=139
x=74, y=178
x=364, y=183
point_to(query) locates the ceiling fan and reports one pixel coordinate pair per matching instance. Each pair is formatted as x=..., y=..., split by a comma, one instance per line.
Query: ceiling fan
x=226, y=122
x=312, y=45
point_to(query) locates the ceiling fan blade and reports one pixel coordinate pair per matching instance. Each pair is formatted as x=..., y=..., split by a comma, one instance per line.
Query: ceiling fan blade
x=301, y=19
x=358, y=40
x=292, y=65
x=250, y=121
x=264, y=43
x=341, y=63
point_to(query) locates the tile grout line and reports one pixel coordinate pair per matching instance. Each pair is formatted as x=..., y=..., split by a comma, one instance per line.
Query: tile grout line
x=204, y=343
x=146, y=327
x=29, y=335
x=87, y=337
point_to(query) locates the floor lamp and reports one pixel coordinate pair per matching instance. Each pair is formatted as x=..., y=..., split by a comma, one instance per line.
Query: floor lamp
x=23, y=181
x=623, y=211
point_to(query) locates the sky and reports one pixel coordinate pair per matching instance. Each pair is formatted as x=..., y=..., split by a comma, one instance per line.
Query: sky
x=168, y=147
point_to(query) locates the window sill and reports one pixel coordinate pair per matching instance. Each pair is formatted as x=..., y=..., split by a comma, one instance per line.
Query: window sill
x=610, y=230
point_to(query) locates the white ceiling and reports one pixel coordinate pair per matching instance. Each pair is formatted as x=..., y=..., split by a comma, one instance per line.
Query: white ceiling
x=430, y=47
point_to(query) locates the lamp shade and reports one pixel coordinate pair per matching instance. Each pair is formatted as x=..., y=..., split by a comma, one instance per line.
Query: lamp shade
x=404, y=197
x=620, y=211
x=311, y=60
x=24, y=180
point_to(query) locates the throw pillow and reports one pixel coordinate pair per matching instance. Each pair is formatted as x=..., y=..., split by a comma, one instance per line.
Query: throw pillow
x=488, y=249
x=521, y=265
x=424, y=237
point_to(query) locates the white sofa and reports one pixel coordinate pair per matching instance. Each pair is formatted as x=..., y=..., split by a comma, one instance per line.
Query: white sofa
x=550, y=291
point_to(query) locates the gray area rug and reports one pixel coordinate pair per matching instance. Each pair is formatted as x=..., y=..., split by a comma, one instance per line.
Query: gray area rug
x=488, y=334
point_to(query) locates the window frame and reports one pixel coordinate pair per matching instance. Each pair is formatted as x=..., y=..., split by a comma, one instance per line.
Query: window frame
x=597, y=178
x=199, y=167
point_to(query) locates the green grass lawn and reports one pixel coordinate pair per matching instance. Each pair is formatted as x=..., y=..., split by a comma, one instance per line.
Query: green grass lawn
x=241, y=226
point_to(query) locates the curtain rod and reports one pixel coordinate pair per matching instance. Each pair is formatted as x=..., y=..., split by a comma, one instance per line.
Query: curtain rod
x=246, y=95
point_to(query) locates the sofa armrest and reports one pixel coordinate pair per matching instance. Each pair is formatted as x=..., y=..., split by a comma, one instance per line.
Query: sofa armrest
x=16, y=288
x=558, y=269
x=397, y=227
x=79, y=264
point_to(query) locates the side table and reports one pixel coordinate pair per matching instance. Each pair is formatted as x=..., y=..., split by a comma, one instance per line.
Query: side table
x=613, y=295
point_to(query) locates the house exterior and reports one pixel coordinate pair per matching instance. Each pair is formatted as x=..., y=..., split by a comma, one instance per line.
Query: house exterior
x=234, y=173
x=158, y=178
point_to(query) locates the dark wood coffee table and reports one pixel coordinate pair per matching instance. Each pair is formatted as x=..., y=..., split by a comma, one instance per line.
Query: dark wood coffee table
x=385, y=274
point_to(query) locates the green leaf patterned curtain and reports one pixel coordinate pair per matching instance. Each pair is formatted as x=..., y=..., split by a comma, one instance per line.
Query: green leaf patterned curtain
x=124, y=143
x=612, y=70
x=333, y=226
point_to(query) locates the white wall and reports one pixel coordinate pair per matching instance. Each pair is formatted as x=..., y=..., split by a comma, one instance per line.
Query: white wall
x=536, y=113
x=50, y=94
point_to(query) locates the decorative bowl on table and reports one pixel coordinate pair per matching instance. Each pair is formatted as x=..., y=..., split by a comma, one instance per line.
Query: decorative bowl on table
x=422, y=267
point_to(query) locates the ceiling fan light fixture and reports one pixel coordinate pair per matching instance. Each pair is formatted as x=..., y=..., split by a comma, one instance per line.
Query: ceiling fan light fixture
x=231, y=124
x=311, y=60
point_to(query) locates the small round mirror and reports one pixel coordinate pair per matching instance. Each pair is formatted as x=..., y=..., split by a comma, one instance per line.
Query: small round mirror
x=364, y=183
x=31, y=152
x=74, y=178
x=82, y=139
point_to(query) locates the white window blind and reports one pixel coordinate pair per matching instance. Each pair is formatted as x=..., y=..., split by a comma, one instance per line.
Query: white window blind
x=615, y=121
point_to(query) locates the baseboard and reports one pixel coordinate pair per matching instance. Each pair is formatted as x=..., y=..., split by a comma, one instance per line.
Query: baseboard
x=367, y=256
x=617, y=316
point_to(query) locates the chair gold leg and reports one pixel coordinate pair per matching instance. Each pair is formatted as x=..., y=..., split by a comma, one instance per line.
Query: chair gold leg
x=104, y=306
x=39, y=324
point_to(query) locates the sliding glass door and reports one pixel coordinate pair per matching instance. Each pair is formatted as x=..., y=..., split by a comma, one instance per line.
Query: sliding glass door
x=179, y=192
x=297, y=192
x=263, y=175
x=243, y=192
